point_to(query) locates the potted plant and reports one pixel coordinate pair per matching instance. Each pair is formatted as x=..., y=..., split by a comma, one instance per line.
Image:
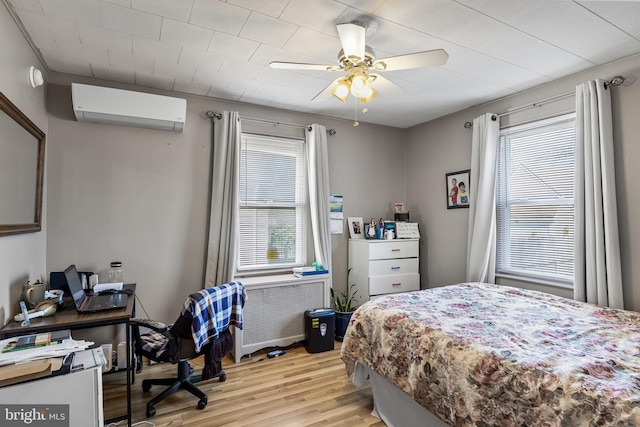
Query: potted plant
x=344, y=305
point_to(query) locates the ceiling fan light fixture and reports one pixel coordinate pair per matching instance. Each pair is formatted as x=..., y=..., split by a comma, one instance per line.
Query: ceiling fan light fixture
x=341, y=91
x=358, y=61
x=360, y=86
x=366, y=99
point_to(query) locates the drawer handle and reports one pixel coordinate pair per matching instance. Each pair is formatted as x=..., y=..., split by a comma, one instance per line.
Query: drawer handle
x=395, y=250
x=396, y=284
x=397, y=267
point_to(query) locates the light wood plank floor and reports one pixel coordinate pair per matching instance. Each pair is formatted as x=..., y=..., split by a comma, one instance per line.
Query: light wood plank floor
x=297, y=389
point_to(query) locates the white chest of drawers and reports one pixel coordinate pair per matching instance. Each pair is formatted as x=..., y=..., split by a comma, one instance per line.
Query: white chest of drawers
x=381, y=267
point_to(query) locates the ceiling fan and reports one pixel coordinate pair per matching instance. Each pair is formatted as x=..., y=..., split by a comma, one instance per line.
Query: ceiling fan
x=358, y=61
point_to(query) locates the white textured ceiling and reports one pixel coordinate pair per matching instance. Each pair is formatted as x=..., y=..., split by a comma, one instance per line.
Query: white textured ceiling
x=222, y=49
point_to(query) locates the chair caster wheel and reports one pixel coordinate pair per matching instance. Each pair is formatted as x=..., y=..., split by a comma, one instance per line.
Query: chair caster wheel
x=202, y=403
x=151, y=411
x=145, y=386
x=222, y=377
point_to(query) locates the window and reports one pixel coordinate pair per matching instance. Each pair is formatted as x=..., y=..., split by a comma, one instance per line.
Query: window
x=272, y=204
x=536, y=166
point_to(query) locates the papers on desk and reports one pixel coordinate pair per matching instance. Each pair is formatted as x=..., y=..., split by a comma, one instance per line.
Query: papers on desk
x=88, y=359
x=26, y=342
x=101, y=287
x=60, y=349
x=51, y=366
x=15, y=373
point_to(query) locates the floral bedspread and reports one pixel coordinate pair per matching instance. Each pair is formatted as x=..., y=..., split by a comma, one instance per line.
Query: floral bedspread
x=487, y=355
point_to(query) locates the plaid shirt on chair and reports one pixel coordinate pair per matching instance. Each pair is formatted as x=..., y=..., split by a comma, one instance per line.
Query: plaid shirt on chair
x=213, y=310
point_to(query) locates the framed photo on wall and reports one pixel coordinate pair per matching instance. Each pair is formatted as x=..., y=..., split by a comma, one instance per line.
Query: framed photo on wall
x=356, y=227
x=458, y=189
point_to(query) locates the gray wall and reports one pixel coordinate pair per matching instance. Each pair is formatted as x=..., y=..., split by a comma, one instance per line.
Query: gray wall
x=444, y=145
x=22, y=257
x=140, y=196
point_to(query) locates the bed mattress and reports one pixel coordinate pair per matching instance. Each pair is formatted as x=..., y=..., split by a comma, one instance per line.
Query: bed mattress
x=486, y=355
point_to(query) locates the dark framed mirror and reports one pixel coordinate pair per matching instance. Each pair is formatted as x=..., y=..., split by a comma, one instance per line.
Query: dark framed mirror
x=22, y=148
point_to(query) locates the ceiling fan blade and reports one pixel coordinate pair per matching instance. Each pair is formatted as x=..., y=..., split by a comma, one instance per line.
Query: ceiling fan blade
x=430, y=58
x=352, y=38
x=302, y=66
x=385, y=86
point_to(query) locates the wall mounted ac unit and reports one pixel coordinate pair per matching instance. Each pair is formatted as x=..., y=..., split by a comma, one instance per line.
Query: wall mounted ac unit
x=124, y=107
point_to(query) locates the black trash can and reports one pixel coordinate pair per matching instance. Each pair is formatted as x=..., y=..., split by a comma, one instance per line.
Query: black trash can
x=320, y=326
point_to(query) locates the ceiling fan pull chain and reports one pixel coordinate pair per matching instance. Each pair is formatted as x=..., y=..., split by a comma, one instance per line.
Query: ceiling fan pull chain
x=355, y=109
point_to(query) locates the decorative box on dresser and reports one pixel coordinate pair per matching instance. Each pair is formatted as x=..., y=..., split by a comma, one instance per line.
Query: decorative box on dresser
x=381, y=267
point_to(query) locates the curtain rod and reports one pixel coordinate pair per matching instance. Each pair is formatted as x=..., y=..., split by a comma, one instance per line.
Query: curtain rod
x=615, y=82
x=211, y=114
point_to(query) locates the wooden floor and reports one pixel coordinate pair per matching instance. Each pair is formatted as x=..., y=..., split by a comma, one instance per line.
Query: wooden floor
x=297, y=389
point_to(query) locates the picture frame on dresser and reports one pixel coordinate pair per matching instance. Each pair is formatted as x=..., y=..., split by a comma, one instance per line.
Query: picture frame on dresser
x=407, y=230
x=356, y=227
x=370, y=235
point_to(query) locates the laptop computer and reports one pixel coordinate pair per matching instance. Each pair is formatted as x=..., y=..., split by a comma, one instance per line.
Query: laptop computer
x=91, y=303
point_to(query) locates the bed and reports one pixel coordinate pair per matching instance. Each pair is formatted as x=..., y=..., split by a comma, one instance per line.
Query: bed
x=476, y=354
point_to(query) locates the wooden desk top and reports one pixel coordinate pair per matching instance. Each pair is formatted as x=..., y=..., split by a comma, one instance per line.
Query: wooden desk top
x=69, y=318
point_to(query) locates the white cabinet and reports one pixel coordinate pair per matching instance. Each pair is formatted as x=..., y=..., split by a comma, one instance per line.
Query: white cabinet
x=73, y=399
x=381, y=267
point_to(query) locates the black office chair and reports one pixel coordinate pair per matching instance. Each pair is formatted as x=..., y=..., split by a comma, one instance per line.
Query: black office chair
x=175, y=343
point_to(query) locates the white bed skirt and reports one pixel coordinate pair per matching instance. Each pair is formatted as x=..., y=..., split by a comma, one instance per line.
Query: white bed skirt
x=392, y=405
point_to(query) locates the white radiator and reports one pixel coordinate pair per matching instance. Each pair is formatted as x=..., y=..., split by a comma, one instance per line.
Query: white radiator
x=273, y=314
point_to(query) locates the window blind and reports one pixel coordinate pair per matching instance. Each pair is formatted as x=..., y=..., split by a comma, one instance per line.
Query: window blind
x=272, y=203
x=536, y=167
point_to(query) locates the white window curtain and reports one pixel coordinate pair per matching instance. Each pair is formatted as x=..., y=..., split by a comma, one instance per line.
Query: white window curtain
x=481, y=238
x=318, y=178
x=598, y=276
x=221, y=249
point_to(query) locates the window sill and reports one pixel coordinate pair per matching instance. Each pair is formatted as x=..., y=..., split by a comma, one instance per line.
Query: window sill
x=266, y=272
x=281, y=280
x=535, y=281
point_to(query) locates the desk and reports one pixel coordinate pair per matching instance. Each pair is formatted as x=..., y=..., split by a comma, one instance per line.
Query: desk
x=69, y=318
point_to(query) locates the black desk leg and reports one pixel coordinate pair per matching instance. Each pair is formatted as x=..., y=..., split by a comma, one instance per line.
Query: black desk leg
x=129, y=374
